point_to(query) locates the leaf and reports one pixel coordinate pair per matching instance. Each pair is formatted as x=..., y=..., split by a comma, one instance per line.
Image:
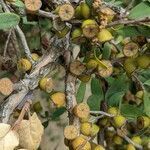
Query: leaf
x=89, y=2
x=8, y=20
x=146, y=99
x=115, y=99
x=58, y=112
x=132, y=31
x=147, y=83
x=142, y=10
x=81, y=92
x=96, y=87
x=94, y=102
x=117, y=89
x=30, y=132
x=19, y=3
x=7, y=135
x=106, y=51
x=131, y=111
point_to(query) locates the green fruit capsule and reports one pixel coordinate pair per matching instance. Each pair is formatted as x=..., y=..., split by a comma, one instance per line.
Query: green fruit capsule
x=85, y=10
x=143, y=61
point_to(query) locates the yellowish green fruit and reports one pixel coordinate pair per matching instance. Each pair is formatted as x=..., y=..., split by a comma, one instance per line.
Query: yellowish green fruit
x=137, y=140
x=86, y=128
x=37, y=107
x=113, y=111
x=78, y=13
x=130, y=147
x=143, y=122
x=46, y=84
x=119, y=121
x=58, y=99
x=98, y=147
x=83, y=120
x=76, y=33
x=84, y=78
x=91, y=64
x=81, y=143
x=95, y=129
x=35, y=56
x=104, y=35
x=24, y=65
x=90, y=28
x=130, y=65
x=117, y=140
x=143, y=61
x=85, y=10
x=63, y=32
x=139, y=94
x=103, y=121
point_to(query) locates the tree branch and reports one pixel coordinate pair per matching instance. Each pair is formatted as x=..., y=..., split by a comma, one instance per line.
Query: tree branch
x=126, y=22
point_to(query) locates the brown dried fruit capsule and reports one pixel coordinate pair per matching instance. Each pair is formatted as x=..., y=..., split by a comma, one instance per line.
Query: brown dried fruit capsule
x=6, y=86
x=82, y=110
x=66, y=12
x=77, y=68
x=71, y=132
x=105, y=71
x=130, y=49
x=33, y=5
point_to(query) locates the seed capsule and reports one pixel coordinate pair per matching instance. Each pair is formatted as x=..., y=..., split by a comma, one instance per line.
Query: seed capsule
x=24, y=65
x=143, y=122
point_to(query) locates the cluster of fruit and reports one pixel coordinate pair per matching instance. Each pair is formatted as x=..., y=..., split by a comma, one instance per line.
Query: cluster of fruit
x=83, y=137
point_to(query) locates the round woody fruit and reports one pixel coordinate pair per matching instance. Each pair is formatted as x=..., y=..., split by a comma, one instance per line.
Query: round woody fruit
x=119, y=121
x=66, y=12
x=24, y=65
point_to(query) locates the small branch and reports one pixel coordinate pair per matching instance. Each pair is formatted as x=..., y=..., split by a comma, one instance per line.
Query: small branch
x=126, y=22
x=49, y=15
x=7, y=42
x=101, y=113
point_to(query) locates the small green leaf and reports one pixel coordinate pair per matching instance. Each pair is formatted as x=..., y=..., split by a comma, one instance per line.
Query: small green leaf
x=89, y=2
x=96, y=87
x=142, y=10
x=19, y=3
x=147, y=103
x=94, y=102
x=58, y=112
x=81, y=92
x=8, y=20
x=131, y=111
x=147, y=83
x=106, y=51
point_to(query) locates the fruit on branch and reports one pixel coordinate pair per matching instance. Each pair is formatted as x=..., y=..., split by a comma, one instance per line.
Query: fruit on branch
x=139, y=94
x=63, y=32
x=86, y=119
x=143, y=122
x=119, y=121
x=113, y=111
x=85, y=128
x=84, y=78
x=35, y=56
x=97, y=147
x=6, y=86
x=108, y=13
x=91, y=64
x=71, y=132
x=130, y=65
x=95, y=129
x=66, y=12
x=104, y=35
x=143, y=61
x=137, y=140
x=33, y=6
x=117, y=140
x=90, y=28
x=37, y=107
x=85, y=10
x=81, y=110
x=77, y=68
x=103, y=122
x=46, y=84
x=81, y=142
x=78, y=13
x=58, y=99
x=106, y=69
x=130, y=147
x=24, y=65
x=130, y=49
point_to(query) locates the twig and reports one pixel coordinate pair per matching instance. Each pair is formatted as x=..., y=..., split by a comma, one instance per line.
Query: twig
x=49, y=15
x=7, y=42
x=21, y=116
x=101, y=113
x=21, y=35
x=126, y=22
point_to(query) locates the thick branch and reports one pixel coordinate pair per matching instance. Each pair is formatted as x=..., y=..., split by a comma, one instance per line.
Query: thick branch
x=126, y=22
